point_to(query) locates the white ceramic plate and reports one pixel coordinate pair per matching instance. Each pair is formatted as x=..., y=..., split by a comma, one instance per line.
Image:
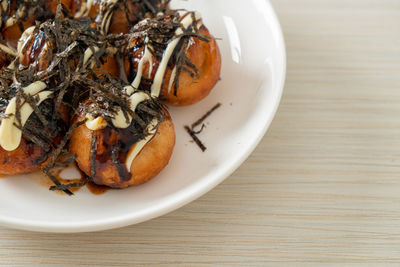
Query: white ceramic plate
x=253, y=74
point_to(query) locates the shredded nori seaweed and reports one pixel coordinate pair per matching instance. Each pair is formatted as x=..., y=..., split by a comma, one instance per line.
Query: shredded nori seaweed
x=206, y=115
x=122, y=172
x=195, y=138
x=66, y=187
x=193, y=133
x=56, y=182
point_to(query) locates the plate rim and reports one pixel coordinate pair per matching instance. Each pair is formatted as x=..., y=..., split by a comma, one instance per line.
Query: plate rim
x=179, y=198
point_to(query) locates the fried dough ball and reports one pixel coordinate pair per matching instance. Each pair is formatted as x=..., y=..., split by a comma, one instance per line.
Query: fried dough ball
x=70, y=5
x=30, y=155
x=36, y=51
x=150, y=161
x=21, y=160
x=191, y=87
x=124, y=13
x=207, y=59
x=18, y=16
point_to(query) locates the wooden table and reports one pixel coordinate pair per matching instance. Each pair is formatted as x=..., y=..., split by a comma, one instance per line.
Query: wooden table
x=322, y=187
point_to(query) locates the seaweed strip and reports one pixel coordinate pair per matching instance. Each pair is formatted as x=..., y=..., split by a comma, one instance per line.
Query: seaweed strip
x=195, y=138
x=65, y=162
x=193, y=133
x=62, y=144
x=33, y=138
x=66, y=187
x=205, y=116
x=31, y=101
x=55, y=181
x=117, y=164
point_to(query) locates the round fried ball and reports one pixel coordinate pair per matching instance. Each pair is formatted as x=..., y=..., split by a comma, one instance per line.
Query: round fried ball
x=148, y=163
x=30, y=156
x=37, y=52
x=190, y=89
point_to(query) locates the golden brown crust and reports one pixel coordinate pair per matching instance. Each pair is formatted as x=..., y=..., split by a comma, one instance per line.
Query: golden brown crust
x=148, y=163
x=28, y=156
x=21, y=160
x=119, y=22
x=108, y=66
x=207, y=58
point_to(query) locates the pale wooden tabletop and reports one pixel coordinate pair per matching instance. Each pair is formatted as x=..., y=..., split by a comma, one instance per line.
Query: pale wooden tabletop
x=322, y=187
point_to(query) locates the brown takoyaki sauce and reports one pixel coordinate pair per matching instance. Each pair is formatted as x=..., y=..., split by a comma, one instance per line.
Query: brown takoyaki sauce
x=97, y=189
x=74, y=184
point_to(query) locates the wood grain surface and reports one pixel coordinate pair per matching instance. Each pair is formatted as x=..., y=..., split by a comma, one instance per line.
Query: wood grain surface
x=323, y=187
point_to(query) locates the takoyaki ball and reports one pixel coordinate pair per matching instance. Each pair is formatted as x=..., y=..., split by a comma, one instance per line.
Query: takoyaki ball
x=124, y=13
x=123, y=16
x=129, y=12
x=34, y=50
x=70, y=5
x=21, y=160
x=150, y=161
x=18, y=16
x=34, y=148
x=37, y=51
x=192, y=87
x=207, y=59
x=12, y=32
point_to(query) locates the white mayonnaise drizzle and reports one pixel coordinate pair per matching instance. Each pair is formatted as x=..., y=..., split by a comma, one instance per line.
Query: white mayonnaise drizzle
x=24, y=39
x=136, y=148
x=89, y=52
x=147, y=58
x=95, y=123
x=171, y=79
x=7, y=50
x=159, y=77
x=4, y=4
x=85, y=9
x=106, y=8
x=12, y=65
x=10, y=22
x=135, y=99
x=10, y=135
